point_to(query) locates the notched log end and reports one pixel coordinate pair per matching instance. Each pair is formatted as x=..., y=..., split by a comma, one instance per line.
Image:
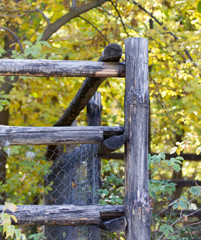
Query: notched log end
x=112, y=52
x=111, y=144
x=114, y=225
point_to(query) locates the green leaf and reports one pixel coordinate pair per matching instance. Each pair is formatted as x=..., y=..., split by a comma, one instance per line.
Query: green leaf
x=176, y=167
x=183, y=205
x=195, y=190
x=199, y=7
x=46, y=44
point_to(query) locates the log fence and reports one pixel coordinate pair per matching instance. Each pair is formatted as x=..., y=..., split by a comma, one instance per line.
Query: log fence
x=134, y=217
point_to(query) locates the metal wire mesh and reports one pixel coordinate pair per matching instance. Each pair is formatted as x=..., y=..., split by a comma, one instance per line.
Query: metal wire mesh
x=27, y=177
x=76, y=180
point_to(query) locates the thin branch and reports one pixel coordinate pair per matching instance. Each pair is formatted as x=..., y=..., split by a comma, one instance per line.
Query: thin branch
x=45, y=17
x=104, y=10
x=165, y=28
x=163, y=105
x=15, y=36
x=115, y=7
x=73, y=13
x=96, y=29
x=192, y=224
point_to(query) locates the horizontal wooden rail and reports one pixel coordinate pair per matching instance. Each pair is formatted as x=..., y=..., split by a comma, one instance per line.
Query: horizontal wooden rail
x=186, y=183
x=57, y=68
x=67, y=215
x=55, y=135
x=186, y=156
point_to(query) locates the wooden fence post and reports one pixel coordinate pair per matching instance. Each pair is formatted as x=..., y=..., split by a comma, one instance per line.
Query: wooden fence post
x=94, y=109
x=137, y=205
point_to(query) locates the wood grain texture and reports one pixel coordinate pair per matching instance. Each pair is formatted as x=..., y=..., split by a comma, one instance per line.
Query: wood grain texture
x=55, y=135
x=94, y=109
x=57, y=68
x=66, y=215
x=137, y=205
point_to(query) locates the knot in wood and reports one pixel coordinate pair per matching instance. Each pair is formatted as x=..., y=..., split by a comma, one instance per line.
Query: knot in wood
x=136, y=97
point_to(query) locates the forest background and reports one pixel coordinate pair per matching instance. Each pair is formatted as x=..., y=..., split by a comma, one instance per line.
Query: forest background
x=79, y=30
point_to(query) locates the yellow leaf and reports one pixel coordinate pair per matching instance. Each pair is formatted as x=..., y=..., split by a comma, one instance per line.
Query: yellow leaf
x=14, y=218
x=12, y=207
x=178, y=151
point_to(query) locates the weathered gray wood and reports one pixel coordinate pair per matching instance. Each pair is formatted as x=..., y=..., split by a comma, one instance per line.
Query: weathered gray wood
x=65, y=215
x=55, y=135
x=115, y=225
x=94, y=109
x=111, y=144
x=57, y=68
x=137, y=205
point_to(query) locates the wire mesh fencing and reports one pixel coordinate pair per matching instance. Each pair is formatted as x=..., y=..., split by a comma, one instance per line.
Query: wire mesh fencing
x=27, y=177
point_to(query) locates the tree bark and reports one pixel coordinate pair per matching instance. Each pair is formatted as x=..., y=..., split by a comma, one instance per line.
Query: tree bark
x=75, y=12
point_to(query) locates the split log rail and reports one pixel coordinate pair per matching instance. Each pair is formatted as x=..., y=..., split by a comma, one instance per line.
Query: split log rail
x=134, y=216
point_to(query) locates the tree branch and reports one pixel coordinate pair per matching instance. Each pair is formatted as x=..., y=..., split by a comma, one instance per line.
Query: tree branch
x=45, y=17
x=96, y=29
x=165, y=28
x=15, y=36
x=115, y=7
x=73, y=13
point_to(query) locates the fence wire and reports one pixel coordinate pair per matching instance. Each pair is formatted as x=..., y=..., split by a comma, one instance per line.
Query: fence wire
x=27, y=177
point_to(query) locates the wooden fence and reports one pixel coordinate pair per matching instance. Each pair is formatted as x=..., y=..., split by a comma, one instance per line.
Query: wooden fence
x=134, y=216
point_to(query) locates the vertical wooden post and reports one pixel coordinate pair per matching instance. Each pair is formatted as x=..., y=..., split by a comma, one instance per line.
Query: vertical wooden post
x=94, y=109
x=137, y=205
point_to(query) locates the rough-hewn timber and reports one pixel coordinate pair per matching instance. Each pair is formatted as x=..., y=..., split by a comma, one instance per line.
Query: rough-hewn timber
x=94, y=109
x=57, y=68
x=66, y=215
x=55, y=135
x=137, y=205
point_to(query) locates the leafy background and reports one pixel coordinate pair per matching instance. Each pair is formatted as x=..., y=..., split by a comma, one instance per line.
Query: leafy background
x=79, y=30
